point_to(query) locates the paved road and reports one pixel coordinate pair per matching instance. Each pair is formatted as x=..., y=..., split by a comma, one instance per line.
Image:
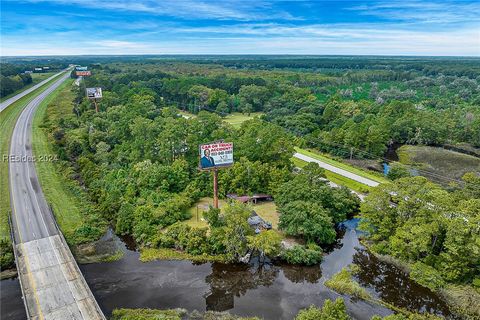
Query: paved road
x=52, y=284
x=32, y=218
x=339, y=171
x=8, y=102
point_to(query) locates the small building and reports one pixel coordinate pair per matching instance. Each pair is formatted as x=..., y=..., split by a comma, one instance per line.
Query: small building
x=252, y=199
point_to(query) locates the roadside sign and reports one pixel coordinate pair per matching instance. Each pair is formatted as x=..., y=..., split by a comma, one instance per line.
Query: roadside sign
x=94, y=93
x=215, y=154
x=81, y=68
x=83, y=73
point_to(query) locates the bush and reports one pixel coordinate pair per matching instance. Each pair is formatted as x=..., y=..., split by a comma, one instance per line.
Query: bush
x=180, y=236
x=303, y=255
x=427, y=276
x=331, y=310
x=147, y=314
x=343, y=282
x=87, y=233
x=398, y=171
x=7, y=260
x=213, y=217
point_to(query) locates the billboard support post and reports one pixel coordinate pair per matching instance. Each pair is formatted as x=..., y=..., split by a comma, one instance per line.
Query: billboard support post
x=212, y=156
x=96, y=106
x=215, y=188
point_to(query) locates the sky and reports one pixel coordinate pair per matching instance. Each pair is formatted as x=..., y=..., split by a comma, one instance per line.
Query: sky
x=86, y=27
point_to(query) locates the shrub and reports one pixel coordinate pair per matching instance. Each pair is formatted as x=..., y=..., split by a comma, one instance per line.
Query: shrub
x=331, y=310
x=303, y=255
x=342, y=282
x=6, y=254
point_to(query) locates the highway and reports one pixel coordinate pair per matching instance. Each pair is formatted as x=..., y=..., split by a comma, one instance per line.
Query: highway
x=52, y=284
x=11, y=100
x=342, y=172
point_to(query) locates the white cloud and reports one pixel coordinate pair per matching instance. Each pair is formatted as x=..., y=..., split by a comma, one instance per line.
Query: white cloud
x=116, y=44
x=445, y=12
x=374, y=42
x=187, y=9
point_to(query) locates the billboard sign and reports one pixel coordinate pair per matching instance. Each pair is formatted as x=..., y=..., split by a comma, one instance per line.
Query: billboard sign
x=216, y=154
x=83, y=73
x=81, y=68
x=94, y=93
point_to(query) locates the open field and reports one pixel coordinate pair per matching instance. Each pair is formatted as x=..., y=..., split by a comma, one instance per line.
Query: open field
x=57, y=188
x=366, y=174
x=438, y=164
x=36, y=78
x=236, y=119
x=267, y=210
x=202, y=205
x=8, y=117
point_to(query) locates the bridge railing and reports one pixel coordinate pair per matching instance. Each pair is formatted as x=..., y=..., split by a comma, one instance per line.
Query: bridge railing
x=62, y=238
x=15, y=254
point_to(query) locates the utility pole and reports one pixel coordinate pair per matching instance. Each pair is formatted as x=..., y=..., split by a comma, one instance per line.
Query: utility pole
x=215, y=188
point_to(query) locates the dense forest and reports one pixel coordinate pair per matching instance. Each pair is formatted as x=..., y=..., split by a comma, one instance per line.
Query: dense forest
x=13, y=76
x=138, y=156
x=12, y=79
x=356, y=106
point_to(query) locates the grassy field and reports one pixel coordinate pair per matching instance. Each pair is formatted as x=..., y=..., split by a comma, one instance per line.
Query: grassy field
x=336, y=178
x=186, y=114
x=36, y=78
x=58, y=189
x=8, y=118
x=201, y=206
x=267, y=210
x=236, y=119
x=438, y=164
x=366, y=174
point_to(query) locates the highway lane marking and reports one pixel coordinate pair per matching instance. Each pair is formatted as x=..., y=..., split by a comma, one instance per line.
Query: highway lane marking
x=30, y=113
x=14, y=211
x=5, y=104
x=27, y=262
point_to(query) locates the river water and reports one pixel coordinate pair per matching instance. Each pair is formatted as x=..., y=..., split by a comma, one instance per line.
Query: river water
x=269, y=291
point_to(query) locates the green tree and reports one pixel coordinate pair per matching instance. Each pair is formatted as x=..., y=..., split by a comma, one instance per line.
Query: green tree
x=267, y=243
x=258, y=140
x=309, y=220
x=236, y=230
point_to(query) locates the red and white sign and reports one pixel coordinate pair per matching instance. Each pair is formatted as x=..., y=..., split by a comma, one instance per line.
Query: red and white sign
x=83, y=73
x=216, y=154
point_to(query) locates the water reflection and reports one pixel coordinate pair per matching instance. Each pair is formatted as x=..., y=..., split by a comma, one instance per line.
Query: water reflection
x=11, y=303
x=301, y=274
x=393, y=285
x=269, y=291
x=229, y=281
